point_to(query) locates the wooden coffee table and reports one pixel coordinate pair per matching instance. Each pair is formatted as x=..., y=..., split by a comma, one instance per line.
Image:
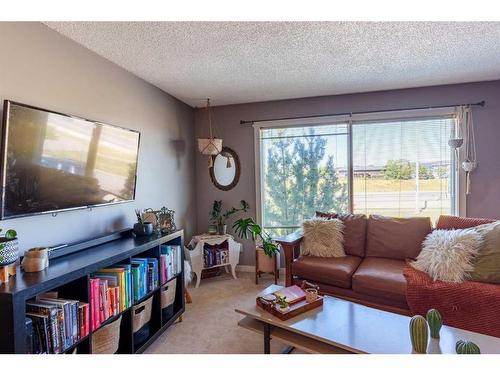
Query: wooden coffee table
x=341, y=326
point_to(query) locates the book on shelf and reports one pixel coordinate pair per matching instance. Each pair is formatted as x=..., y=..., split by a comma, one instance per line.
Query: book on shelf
x=50, y=312
x=40, y=333
x=58, y=323
x=69, y=310
x=170, y=261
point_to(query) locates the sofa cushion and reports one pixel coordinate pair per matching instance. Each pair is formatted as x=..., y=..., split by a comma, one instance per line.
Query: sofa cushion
x=396, y=238
x=333, y=271
x=381, y=277
x=457, y=222
x=487, y=262
x=354, y=231
x=323, y=238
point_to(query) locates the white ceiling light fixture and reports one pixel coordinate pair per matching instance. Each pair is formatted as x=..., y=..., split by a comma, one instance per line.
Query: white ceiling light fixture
x=210, y=146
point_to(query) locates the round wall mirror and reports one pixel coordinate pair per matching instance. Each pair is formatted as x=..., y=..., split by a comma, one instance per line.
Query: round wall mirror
x=225, y=171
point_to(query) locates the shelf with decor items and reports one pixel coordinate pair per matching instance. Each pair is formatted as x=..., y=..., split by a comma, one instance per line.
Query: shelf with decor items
x=126, y=329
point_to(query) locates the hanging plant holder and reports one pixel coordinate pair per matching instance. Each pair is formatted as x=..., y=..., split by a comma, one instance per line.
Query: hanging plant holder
x=210, y=146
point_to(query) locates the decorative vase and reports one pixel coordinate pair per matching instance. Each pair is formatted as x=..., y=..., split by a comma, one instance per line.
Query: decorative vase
x=9, y=251
x=266, y=263
x=144, y=229
x=36, y=259
x=419, y=334
x=435, y=322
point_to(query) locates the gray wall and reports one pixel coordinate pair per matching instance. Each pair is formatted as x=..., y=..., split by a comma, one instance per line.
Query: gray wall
x=40, y=67
x=483, y=202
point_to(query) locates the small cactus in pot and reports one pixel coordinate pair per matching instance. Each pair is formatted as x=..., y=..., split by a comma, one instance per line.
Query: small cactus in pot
x=419, y=334
x=435, y=322
x=9, y=247
x=466, y=347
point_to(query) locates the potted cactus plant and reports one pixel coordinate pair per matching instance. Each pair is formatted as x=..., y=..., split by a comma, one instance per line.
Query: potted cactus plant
x=9, y=247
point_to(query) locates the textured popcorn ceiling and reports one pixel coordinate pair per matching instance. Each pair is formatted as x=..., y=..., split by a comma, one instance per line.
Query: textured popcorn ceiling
x=235, y=62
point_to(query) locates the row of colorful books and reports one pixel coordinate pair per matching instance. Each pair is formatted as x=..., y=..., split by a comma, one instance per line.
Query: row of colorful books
x=145, y=276
x=215, y=256
x=57, y=323
x=115, y=289
x=170, y=261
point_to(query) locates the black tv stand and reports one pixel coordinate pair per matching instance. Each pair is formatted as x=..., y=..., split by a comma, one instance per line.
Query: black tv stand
x=70, y=274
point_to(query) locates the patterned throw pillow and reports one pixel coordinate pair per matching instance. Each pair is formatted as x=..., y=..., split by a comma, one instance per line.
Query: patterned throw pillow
x=448, y=255
x=323, y=238
x=487, y=262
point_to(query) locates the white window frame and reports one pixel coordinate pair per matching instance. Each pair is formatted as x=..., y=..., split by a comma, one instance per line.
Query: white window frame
x=459, y=204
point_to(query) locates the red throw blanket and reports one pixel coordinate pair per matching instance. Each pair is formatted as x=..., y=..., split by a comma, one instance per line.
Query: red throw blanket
x=469, y=305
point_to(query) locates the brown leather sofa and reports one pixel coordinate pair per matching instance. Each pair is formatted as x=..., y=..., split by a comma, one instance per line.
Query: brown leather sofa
x=371, y=273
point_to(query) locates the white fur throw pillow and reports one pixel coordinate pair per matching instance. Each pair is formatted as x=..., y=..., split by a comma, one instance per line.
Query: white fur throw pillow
x=323, y=238
x=448, y=255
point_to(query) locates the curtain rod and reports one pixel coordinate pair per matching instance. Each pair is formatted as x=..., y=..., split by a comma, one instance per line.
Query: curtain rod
x=251, y=122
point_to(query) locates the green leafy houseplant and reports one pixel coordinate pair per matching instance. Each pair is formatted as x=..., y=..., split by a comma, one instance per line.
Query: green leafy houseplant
x=219, y=218
x=246, y=228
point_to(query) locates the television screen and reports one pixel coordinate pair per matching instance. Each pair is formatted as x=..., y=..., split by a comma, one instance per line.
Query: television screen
x=53, y=162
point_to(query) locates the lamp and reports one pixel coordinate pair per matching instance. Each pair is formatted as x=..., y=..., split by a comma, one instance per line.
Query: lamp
x=210, y=146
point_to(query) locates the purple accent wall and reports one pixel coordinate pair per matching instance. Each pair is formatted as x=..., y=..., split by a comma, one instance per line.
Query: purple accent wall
x=483, y=202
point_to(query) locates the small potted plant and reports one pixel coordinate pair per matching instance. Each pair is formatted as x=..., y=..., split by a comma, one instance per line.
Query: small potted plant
x=218, y=218
x=268, y=252
x=282, y=305
x=142, y=228
x=9, y=247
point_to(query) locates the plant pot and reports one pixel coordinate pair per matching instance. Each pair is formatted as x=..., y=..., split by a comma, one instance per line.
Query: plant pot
x=266, y=263
x=222, y=229
x=145, y=229
x=9, y=251
x=212, y=229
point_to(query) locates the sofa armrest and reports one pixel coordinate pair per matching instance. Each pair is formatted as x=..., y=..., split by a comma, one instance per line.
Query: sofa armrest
x=291, y=249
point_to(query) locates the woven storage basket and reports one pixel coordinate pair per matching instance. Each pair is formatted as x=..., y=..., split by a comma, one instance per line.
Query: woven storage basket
x=106, y=339
x=141, y=314
x=168, y=293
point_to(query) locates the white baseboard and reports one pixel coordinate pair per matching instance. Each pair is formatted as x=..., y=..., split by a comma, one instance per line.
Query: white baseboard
x=244, y=268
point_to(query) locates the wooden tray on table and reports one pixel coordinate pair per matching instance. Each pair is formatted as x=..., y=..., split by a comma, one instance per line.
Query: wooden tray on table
x=297, y=307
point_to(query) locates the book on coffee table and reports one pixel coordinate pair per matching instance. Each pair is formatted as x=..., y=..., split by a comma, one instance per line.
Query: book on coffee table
x=292, y=293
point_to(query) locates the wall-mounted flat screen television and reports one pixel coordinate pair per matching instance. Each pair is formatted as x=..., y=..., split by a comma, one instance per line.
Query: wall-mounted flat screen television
x=53, y=162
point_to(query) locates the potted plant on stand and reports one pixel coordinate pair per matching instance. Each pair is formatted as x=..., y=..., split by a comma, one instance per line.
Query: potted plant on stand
x=267, y=252
x=218, y=218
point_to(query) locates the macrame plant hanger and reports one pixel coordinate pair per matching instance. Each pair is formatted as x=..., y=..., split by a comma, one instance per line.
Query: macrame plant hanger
x=470, y=162
x=210, y=146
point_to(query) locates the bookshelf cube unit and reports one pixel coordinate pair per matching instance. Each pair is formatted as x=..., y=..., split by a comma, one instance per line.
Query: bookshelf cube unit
x=70, y=276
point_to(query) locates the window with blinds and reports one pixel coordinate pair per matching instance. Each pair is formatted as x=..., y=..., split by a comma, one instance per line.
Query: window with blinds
x=403, y=168
x=392, y=167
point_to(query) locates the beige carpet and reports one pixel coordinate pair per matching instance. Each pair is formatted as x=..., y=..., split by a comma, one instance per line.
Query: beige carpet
x=210, y=323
